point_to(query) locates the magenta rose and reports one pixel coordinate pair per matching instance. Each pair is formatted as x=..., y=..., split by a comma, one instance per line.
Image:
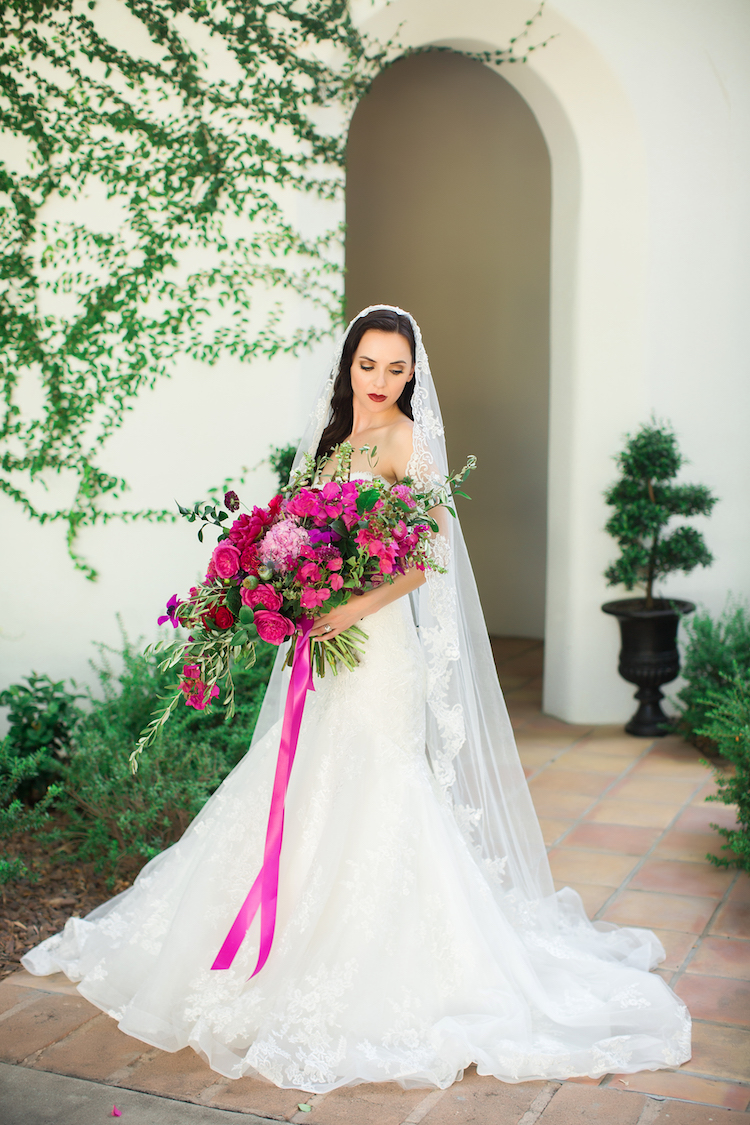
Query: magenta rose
x=272, y=627
x=267, y=596
x=226, y=559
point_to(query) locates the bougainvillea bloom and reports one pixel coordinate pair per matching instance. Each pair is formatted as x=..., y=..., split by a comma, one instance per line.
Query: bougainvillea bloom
x=313, y=599
x=195, y=690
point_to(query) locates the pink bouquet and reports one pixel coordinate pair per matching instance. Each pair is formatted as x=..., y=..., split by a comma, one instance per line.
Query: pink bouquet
x=311, y=549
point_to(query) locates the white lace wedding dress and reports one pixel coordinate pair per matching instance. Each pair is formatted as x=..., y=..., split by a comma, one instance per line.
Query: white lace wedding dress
x=394, y=956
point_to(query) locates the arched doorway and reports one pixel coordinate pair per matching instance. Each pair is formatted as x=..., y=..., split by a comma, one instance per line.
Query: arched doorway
x=448, y=215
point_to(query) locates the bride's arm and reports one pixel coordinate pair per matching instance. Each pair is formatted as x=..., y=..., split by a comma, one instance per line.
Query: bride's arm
x=363, y=605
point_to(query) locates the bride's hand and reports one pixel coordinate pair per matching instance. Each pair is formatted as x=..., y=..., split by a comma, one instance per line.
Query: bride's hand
x=338, y=620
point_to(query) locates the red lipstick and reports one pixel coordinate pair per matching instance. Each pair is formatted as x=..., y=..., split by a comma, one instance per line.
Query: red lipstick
x=378, y=398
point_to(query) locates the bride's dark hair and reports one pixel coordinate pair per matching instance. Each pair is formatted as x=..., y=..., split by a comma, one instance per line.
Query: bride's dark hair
x=342, y=410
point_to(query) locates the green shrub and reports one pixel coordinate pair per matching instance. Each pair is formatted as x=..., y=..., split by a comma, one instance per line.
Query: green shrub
x=114, y=818
x=728, y=727
x=645, y=501
x=16, y=773
x=281, y=459
x=714, y=649
x=43, y=715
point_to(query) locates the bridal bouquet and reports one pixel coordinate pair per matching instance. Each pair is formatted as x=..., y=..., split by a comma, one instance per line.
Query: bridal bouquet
x=311, y=549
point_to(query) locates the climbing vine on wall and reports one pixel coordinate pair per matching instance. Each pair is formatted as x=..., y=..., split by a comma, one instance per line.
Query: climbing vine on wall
x=193, y=142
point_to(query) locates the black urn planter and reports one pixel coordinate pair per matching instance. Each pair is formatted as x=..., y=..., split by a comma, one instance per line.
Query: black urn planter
x=649, y=656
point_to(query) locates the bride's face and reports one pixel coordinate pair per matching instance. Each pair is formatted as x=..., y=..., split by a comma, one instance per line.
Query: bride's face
x=380, y=370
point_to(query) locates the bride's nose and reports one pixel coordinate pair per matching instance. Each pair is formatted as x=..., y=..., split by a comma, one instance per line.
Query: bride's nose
x=379, y=377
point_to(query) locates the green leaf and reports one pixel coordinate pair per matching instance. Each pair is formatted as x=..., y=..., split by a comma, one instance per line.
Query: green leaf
x=367, y=500
x=246, y=615
x=234, y=599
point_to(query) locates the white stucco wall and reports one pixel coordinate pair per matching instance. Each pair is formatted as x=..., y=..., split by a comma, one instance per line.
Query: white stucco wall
x=188, y=434
x=646, y=112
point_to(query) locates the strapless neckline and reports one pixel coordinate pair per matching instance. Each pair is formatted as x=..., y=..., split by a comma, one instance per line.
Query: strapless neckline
x=364, y=475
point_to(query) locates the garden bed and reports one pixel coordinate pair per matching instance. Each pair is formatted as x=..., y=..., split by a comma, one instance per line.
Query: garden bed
x=61, y=887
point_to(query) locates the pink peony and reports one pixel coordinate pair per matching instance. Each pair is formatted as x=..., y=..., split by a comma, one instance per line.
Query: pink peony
x=225, y=559
x=267, y=596
x=313, y=599
x=272, y=627
x=246, y=529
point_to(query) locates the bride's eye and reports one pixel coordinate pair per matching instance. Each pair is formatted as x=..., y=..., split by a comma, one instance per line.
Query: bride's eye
x=364, y=367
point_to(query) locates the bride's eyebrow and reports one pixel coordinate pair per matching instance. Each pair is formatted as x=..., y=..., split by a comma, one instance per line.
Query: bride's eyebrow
x=393, y=363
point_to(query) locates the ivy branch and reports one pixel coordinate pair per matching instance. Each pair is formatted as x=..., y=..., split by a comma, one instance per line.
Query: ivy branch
x=196, y=172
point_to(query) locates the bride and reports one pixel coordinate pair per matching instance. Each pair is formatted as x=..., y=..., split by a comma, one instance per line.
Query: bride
x=418, y=930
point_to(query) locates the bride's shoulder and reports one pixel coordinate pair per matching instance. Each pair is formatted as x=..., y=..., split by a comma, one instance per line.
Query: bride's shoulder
x=401, y=442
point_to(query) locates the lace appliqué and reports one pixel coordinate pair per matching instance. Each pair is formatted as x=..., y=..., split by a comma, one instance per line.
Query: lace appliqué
x=440, y=641
x=319, y=414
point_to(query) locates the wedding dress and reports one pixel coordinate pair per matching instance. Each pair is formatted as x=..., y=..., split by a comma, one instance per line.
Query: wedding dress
x=417, y=929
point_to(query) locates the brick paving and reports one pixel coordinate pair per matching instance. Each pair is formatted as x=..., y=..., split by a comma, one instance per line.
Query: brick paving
x=627, y=824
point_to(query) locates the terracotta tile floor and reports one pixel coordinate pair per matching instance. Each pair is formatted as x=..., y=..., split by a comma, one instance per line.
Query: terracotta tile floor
x=627, y=825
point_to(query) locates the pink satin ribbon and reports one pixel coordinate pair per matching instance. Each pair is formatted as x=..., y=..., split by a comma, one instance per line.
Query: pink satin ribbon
x=264, y=892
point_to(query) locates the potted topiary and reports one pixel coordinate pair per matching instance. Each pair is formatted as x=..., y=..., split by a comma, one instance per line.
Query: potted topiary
x=644, y=501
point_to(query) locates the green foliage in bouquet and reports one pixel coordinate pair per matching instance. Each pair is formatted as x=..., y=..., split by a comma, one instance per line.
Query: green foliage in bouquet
x=715, y=650
x=645, y=500
x=727, y=726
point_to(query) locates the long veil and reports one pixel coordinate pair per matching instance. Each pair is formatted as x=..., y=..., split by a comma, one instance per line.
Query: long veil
x=470, y=742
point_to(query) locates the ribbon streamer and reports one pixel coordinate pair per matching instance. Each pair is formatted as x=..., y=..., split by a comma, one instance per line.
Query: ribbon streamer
x=264, y=892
